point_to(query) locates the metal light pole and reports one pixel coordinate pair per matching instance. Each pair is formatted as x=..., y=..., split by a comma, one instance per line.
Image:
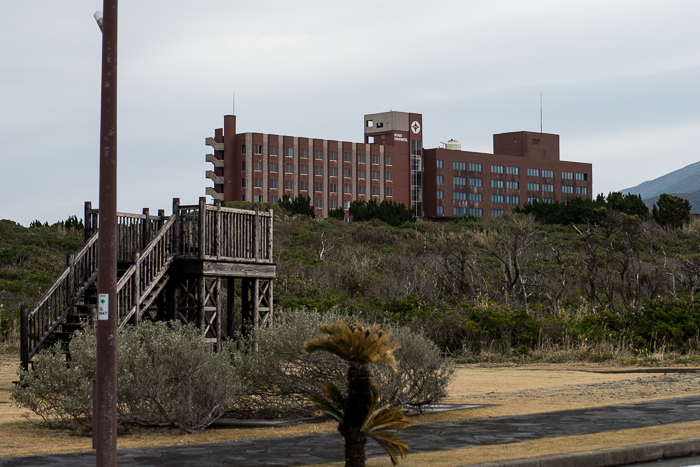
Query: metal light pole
x=105, y=402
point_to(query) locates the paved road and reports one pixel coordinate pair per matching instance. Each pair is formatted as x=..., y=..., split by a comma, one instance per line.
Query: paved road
x=310, y=449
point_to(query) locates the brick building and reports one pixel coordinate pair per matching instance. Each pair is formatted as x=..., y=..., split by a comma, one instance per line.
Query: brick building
x=391, y=164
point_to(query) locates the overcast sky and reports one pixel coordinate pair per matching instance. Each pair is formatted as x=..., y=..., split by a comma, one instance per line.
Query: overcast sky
x=619, y=80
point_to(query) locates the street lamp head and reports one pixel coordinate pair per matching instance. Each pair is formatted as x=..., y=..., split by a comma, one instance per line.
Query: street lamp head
x=98, y=18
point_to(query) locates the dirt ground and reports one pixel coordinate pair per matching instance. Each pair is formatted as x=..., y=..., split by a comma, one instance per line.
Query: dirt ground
x=508, y=390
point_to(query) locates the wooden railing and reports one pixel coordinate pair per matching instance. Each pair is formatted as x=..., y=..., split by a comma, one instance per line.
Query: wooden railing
x=204, y=233
x=151, y=244
x=59, y=300
x=135, y=287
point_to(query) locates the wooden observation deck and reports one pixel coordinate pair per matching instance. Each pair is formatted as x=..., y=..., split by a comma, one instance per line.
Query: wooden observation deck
x=169, y=268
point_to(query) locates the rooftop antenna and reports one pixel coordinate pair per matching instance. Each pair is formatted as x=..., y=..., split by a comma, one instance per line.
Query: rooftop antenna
x=540, y=111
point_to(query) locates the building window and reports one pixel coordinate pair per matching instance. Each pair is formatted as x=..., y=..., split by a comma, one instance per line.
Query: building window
x=459, y=181
x=456, y=165
x=477, y=197
x=347, y=173
x=496, y=183
x=318, y=186
x=390, y=192
x=303, y=186
x=548, y=173
x=581, y=190
x=389, y=160
x=288, y=152
x=512, y=170
x=474, y=167
x=332, y=171
x=459, y=196
x=440, y=179
x=567, y=189
x=375, y=175
x=304, y=153
x=304, y=169
x=333, y=155
x=533, y=200
x=389, y=176
x=318, y=203
x=533, y=172
x=513, y=199
x=361, y=174
x=257, y=166
x=375, y=160
x=257, y=182
x=318, y=170
x=273, y=183
x=548, y=188
x=258, y=149
x=375, y=191
x=273, y=199
x=581, y=176
x=243, y=183
x=257, y=198
x=567, y=175
x=319, y=154
x=440, y=194
x=347, y=189
x=332, y=204
x=510, y=185
x=476, y=212
x=360, y=158
x=456, y=211
x=347, y=157
x=439, y=164
x=273, y=150
x=243, y=166
x=533, y=187
x=289, y=168
x=496, y=212
x=273, y=167
x=289, y=184
x=243, y=149
x=361, y=190
x=347, y=204
x=441, y=211
x=496, y=198
x=476, y=182
x=496, y=169
x=333, y=188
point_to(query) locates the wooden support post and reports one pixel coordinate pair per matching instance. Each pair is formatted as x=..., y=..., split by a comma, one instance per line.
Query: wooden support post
x=230, y=307
x=201, y=301
x=70, y=264
x=270, y=228
x=177, y=228
x=217, y=229
x=219, y=310
x=24, y=337
x=202, y=229
x=136, y=287
x=256, y=233
x=87, y=221
x=145, y=229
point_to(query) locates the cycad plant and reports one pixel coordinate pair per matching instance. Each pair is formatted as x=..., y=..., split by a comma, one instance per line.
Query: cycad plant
x=357, y=413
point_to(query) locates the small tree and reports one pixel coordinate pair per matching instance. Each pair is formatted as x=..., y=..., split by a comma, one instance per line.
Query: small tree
x=671, y=211
x=357, y=415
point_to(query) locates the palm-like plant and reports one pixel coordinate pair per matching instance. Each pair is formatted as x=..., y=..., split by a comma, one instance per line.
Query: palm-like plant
x=357, y=413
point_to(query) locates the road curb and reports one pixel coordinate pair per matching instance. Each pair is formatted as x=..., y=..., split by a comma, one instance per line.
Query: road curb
x=609, y=457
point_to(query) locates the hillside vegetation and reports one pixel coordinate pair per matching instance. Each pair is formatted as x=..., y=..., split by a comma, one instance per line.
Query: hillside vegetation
x=618, y=287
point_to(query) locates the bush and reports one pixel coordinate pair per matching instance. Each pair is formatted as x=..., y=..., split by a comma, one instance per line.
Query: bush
x=282, y=378
x=167, y=376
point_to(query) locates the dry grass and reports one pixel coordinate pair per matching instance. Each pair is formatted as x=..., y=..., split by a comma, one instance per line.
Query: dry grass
x=511, y=389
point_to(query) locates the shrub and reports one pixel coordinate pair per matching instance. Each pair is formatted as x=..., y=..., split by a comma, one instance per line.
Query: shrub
x=282, y=378
x=167, y=376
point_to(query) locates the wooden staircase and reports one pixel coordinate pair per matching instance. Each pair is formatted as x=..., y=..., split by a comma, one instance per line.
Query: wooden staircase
x=159, y=256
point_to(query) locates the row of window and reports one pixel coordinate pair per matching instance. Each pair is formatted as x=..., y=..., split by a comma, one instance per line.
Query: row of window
x=318, y=171
x=499, y=169
x=318, y=186
x=304, y=154
x=476, y=212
